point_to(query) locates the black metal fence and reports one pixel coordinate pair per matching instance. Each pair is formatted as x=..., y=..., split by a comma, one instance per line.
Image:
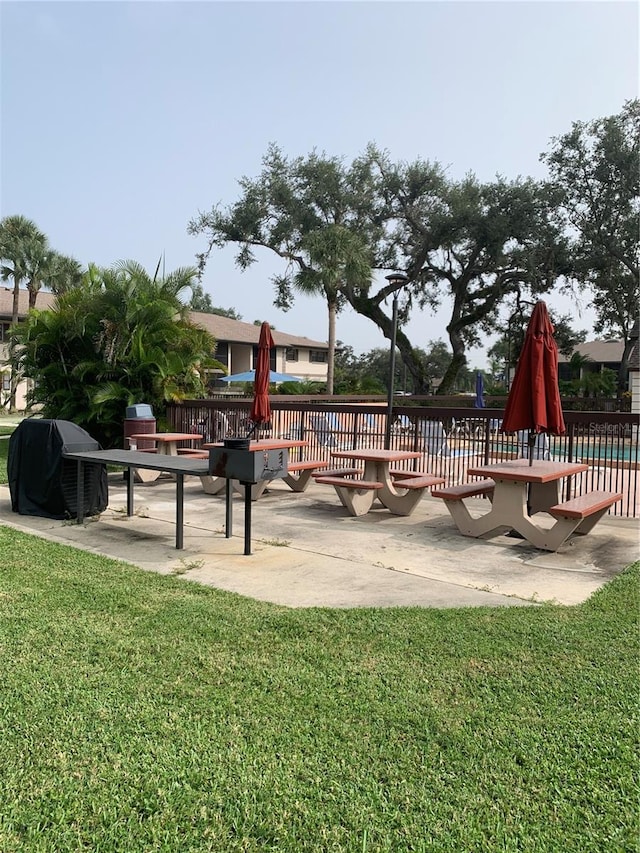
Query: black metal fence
x=450, y=438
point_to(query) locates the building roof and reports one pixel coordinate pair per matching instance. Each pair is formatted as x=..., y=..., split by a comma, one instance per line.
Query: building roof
x=222, y=328
x=45, y=300
x=235, y=331
x=604, y=352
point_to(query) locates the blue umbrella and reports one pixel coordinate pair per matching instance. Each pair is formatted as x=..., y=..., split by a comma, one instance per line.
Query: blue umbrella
x=479, y=402
x=250, y=375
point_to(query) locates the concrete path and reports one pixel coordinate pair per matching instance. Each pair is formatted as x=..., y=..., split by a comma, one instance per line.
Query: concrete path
x=307, y=552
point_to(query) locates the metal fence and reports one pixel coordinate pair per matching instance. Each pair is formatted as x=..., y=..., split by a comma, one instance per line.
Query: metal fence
x=449, y=438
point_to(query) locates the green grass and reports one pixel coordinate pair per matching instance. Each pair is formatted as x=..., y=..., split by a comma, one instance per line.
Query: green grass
x=146, y=713
x=4, y=449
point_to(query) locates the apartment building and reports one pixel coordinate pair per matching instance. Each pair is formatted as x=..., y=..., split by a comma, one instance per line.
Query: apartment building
x=236, y=345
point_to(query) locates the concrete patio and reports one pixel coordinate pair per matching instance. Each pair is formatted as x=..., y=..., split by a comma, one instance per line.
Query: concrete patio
x=307, y=552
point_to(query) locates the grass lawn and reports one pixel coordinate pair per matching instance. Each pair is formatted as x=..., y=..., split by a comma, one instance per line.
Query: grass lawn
x=4, y=449
x=142, y=713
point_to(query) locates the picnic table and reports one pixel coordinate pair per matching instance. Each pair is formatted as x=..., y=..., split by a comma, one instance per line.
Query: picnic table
x=398, y=490
x=518, y=491
x=167, y=442
x=166, y=445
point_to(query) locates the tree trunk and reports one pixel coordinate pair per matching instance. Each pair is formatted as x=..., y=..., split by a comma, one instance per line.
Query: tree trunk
x=33, y=295
x=458, y=361
x=623, y=370
x=331, y=358
x=15, y=312
x=370, y=309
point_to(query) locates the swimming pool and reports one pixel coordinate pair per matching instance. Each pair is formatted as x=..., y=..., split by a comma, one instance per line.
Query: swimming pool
x=609, y=453
x=599, y=452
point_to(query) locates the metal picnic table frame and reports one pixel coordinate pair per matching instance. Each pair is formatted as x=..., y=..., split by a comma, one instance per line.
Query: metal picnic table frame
x=129, y=459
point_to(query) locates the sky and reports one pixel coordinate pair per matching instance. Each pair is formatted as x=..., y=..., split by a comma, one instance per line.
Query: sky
x=121, y=121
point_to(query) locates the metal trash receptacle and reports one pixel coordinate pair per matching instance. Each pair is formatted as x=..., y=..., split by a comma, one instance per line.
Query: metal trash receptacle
x=139, y=419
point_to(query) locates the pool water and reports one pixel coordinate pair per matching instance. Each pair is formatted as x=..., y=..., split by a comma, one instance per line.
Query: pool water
x=610, y=453
x=602, y=452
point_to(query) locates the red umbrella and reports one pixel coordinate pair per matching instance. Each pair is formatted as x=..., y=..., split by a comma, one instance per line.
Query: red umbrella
x=534, y=398
x=261, y=407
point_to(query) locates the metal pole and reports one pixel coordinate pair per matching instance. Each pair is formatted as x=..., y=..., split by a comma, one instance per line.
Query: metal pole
x=179, y=510
x=392, y=370
x=247, y=519
x=228, y=499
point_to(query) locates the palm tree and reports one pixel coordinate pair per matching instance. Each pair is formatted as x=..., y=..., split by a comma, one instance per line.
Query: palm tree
x=20, y=240
x=338, y=260
x=39, y=257
x=577, y=362
x=64, y=273
x=121, y=338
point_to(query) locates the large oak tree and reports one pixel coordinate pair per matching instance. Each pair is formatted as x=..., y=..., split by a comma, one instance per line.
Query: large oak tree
x=470, y=244
x=594, y=170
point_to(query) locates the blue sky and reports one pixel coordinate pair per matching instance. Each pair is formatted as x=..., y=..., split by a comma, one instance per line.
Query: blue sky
x=121, y=121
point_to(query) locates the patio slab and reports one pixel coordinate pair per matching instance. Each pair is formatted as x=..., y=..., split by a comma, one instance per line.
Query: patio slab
x=308, y=552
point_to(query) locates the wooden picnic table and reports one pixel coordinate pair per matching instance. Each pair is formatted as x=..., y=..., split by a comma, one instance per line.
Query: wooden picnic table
x=519, y=491
x=166, y=445
x=399, y=491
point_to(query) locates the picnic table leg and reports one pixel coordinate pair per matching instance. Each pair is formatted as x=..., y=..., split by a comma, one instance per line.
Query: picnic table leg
x=212, y=485
x=357, y=501
x=299, y=482
x=507, y=512
x=542, y=496
x=403, y=504
x=397, y=500
x=179, y=510
x=228, y=522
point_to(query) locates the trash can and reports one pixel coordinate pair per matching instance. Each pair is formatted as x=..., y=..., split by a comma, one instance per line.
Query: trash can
x=139, y=419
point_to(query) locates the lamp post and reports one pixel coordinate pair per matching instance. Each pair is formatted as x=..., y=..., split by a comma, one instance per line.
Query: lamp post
x=395, y=278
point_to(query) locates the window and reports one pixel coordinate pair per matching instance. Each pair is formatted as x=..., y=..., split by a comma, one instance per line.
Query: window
x=292, y=354
x=4, y=331
x=6, y=382
x=318, y=356
x=272, y=358
x=221, y=351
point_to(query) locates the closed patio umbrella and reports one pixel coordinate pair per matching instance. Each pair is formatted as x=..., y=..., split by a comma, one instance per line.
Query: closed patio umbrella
x=261, y=407
x=534, y=399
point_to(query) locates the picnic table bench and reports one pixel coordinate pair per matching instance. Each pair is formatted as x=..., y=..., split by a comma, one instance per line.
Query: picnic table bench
x=479, y=488
x=299, y=474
